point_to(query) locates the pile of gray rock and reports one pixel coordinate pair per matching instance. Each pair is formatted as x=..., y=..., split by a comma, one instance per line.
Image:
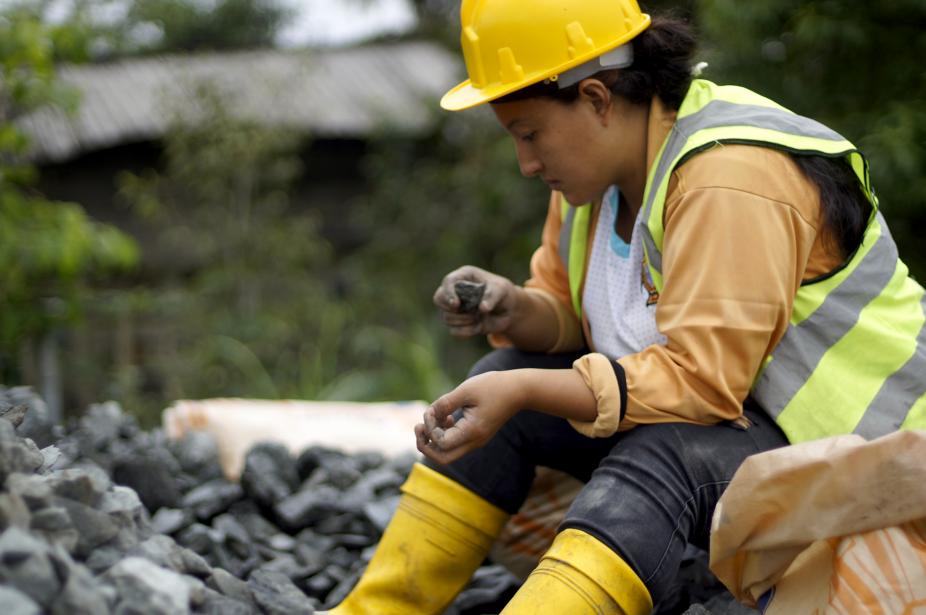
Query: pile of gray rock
x=103, y=517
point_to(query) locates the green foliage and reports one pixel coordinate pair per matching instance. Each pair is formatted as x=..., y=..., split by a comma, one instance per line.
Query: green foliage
x=189, y=25
x=439, y=20
x=434, y=206
x=255, y=313
x=855, y=66
x=264, y=308
x=68, y=41
x=27, y=82
x=246, y=311
x=48, y=249
x=154, y=26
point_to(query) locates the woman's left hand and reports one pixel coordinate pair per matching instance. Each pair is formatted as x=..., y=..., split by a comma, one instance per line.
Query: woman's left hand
x=487, y=400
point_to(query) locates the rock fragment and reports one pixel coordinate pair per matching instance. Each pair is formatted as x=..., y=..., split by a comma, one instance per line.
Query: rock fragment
x=14, y=601
x=276, y=594
x=14, y=512
x=94, y=528
x=212, y=498
x=307, y=507
x=81, y=593
x=150, y=472
x=145, y=587
x=269, y=474
x=14, y=414
x=229, y=585
x=470, y=295
x=171, y=520
x=17, y=454
x=26, y=565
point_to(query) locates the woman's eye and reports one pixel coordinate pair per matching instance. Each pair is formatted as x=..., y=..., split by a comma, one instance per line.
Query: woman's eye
x=529, y=136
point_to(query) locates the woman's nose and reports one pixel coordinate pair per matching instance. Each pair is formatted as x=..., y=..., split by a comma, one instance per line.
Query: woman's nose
x=530, y=165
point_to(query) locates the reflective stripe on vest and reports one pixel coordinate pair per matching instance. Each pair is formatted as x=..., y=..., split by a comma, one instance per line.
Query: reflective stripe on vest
x=853, y=358
x=901, y=402
x=573, y=241
x=722, y=114
x=888, y=359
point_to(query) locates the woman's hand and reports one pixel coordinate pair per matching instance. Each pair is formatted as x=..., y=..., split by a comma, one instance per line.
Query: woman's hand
x=487, y=402
x=495, y=311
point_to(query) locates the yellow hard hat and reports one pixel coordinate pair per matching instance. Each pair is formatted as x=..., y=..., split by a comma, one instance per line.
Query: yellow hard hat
x=510, y=44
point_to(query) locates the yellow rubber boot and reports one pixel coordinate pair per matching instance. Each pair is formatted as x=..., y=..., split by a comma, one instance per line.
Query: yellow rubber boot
x=439, y=535
x=580, y=575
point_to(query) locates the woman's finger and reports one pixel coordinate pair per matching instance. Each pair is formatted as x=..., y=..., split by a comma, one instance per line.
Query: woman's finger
x=491, y=298
x=469, y=331
x=435, y=455
x=443, y=407
x=421, y=437
x=456, y=400
x=427, y=417
x=445, y=297
x=450, y=439
x=426, y=445
x=440, y=456
x=454, y=319
x=436, y=435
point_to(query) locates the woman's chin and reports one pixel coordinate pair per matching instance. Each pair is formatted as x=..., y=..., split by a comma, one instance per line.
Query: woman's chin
x=578, y=198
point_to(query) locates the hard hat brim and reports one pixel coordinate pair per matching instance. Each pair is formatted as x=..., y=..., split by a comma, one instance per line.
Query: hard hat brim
x=465, y=95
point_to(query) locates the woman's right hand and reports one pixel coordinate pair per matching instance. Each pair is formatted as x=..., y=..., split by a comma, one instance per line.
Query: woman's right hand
x=495, y=311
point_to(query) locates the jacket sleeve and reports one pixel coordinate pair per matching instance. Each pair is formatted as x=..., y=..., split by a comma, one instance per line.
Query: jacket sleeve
x=740, y=225
x=550, y=282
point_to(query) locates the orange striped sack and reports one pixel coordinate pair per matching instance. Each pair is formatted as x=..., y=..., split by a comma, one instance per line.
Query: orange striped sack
x=880, y=572
x=833, y=526
x=530, y=533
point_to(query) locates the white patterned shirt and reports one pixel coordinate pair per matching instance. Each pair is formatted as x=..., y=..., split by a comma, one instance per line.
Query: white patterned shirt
x=620, y=310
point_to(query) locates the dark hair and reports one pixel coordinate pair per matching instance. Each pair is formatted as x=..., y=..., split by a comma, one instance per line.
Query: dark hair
x=843, y=204
x=662, y=62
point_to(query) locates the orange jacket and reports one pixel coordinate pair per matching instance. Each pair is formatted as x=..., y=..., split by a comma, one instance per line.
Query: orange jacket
x=743, y=229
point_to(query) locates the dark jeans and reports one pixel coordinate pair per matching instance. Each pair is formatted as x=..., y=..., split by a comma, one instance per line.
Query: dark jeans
x=648, y=492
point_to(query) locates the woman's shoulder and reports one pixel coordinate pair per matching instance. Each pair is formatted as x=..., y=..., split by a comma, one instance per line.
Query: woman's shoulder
x=761, y=171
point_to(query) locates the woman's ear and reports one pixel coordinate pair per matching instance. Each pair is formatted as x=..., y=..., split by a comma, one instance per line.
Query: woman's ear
x=598, y=95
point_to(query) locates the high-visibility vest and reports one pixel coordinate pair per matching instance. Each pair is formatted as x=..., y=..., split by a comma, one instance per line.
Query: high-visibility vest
x=853, y=359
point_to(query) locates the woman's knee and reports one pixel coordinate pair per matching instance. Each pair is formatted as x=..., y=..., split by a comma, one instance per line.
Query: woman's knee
x=497, y=360
x=656, y=491
x=504, y=359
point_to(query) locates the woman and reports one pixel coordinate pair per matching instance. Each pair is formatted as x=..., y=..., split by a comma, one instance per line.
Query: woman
x=725, y=260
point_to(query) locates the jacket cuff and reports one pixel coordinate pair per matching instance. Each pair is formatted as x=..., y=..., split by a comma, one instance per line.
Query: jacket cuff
x=605, y=378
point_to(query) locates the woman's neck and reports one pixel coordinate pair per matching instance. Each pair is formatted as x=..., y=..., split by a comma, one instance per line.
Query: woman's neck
x=631, y=171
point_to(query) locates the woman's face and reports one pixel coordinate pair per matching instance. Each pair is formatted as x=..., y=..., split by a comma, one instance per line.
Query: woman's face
x=576, y=148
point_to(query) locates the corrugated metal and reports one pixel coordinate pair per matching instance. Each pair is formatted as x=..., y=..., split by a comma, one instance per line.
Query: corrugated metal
x=335, y=93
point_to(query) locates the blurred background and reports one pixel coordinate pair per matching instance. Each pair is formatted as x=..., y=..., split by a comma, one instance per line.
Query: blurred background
x=257, y=198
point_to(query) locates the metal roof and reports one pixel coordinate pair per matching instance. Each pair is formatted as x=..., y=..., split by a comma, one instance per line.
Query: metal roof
x=350, y=92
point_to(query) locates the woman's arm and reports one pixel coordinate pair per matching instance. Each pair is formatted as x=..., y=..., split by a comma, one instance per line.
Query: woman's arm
x=489, y=400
